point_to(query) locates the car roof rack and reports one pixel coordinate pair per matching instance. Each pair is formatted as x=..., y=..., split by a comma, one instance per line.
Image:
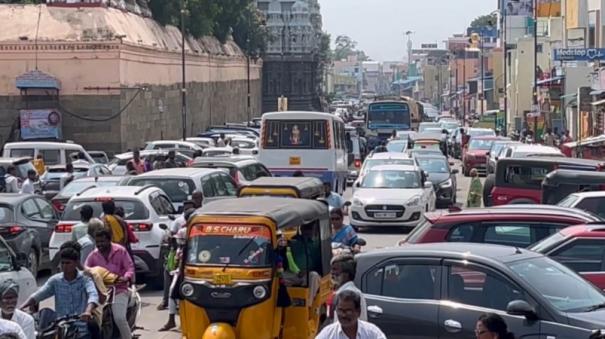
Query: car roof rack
x=145, y=188
x=86, y=189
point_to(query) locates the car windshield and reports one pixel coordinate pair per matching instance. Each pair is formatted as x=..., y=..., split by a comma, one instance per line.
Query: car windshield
x=178, y=190
x=397, y=146
x=426, y=126
x=6, y=214
x=231, y=245
x=391, y=179
x=76, y=187
x=569, y=201
x=480, y=144
x=563, y=288
x=433, y=165
x=371, y=163
x=133, y=209
x=481, y=132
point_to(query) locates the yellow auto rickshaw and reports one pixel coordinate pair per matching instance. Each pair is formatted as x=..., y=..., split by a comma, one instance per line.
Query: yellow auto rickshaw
x=232, y=279
x=295, y=187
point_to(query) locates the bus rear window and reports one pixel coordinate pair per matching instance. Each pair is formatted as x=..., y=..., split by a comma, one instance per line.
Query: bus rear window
x=294, y=134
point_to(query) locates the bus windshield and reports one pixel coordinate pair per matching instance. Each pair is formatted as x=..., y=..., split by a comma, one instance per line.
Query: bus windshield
x=387, y=115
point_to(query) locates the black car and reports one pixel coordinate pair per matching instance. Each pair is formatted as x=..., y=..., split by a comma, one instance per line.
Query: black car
x=26, y=223
x=440, y=290
x=442, y=176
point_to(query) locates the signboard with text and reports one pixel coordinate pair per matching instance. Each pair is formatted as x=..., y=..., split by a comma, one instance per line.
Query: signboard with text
x=579, y=54
x=40, y=124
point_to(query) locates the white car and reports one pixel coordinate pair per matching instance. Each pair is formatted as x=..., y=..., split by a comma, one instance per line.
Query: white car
x=385, y=158
x=145, y=208
x=173, y=144
x=180, y=183
x=203, y=142
x=589, y=201
x=392, y=195
x=246, y=146
x=526, y=151
x=14, y=267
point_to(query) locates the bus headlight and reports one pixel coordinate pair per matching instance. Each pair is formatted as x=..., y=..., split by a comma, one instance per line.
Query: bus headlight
x=259, y=292
x=187, y=289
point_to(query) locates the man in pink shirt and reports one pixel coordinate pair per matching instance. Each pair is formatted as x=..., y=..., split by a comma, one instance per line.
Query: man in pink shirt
x=139, y=165
x=115, y=259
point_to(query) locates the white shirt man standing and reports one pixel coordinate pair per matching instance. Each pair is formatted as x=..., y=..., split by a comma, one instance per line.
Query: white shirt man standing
x=9, y=294
x=11, y=180
x=349, y=326
x=28, y=184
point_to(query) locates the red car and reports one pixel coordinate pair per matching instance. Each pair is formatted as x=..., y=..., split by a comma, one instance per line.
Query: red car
x=519, y=226
x=475, y=154
x=581, y=248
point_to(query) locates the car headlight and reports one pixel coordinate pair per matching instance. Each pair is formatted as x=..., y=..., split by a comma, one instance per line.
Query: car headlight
x=414, y=201
x=259, y=292
x=187, y=289
x=446, y=184
x=357, y=202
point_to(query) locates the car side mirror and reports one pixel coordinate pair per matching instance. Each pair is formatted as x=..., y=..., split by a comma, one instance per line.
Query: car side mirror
x=455, y=171
x=22, y=260
x=521, y=308
x=428, y=184
x=163, y=227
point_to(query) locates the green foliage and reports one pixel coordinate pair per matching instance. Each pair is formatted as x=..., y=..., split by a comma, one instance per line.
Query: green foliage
x=345, y=47
x=485, y=20
x=250, y=31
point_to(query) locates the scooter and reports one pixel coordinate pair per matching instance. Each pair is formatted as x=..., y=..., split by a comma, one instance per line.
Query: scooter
x=109, y=329
x=340, y=248
x=48, y=326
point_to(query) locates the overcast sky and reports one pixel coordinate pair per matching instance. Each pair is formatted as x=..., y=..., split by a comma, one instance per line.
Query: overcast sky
x=378, y=25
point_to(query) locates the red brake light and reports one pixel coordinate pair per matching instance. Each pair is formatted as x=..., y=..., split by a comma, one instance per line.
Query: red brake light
x=63, y=228
x=357, y=163
x=58, y=205
x=103, y=199
x=11, y=230
x=140, y=227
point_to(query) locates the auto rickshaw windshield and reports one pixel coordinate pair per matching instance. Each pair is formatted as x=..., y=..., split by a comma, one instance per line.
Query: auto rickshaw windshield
x=235, y=246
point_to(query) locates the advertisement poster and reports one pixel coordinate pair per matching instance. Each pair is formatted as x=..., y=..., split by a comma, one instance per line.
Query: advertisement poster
x=519, y=7
x=40, y=124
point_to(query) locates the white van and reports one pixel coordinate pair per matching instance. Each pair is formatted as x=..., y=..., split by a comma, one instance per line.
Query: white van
x=53, y=153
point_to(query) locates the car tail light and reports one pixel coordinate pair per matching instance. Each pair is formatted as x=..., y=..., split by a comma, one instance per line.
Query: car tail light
x=63, y=228
x=11, y=230
x=140, y=227
x=357, y=163
x=103, y=199
x=58, y=205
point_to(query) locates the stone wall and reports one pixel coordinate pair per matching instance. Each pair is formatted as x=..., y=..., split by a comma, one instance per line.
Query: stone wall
x=103, y=58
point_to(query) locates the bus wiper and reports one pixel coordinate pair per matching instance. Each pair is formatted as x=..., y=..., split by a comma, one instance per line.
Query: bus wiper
x=595, y=307
x=240, y=251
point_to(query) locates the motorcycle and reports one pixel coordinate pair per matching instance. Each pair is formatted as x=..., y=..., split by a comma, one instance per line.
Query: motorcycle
x=48, y=326
x=340, y=248
x=109, y=329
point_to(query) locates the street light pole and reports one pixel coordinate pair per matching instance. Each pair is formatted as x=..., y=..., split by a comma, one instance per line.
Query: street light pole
x=482, y=74
x=248, y=107
x=535, y=94
x=184, y=82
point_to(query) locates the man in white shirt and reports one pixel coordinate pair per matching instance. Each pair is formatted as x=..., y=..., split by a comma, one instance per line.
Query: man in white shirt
x=349, y=326
x=9, y=294
x=12, y=183
x=9, y=327
x=343, y=268
x=333, y=199
x=28, y=184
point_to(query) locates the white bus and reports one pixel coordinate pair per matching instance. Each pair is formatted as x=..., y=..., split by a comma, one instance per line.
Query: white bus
x=310, y=142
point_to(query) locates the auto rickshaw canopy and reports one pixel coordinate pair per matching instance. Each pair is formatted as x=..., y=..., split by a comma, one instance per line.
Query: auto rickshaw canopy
x=303, y=187
x=285, y=212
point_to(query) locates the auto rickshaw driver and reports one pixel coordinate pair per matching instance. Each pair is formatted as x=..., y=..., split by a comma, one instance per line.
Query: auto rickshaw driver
x=304, y=262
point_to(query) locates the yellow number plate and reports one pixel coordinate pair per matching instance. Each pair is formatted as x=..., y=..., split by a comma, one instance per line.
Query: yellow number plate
x=295, y=161
x=221, y=279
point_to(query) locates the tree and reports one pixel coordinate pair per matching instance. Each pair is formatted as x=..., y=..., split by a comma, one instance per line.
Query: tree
x=484, y=20
x=345, y=46
x=250, y=32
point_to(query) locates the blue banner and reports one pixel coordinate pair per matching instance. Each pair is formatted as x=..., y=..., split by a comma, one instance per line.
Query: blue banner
x=40, y=124
x=579, y=54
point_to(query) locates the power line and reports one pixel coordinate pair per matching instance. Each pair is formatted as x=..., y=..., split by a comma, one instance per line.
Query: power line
x=63, y=109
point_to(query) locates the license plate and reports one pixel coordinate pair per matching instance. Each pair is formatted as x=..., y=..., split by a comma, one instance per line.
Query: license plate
x=222, y=279
x=385, y=215
x=295, y=161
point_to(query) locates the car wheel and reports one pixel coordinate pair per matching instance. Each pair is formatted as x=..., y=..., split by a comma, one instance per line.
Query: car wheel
x=33, y=261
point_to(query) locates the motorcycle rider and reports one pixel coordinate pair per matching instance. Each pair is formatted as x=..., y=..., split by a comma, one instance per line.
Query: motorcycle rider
x=115, y=259
x=9, y=294
x=343, y=234
x=74, y=292
x=333, y=199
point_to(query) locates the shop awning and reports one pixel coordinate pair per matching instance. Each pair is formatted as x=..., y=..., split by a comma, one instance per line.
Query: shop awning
x=37, y=79
x=598, y=102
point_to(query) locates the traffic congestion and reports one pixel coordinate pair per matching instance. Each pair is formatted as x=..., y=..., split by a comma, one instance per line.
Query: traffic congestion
x=299, y=223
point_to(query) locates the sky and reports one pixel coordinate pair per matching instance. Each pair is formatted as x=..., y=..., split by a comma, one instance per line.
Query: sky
x=378, y=26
